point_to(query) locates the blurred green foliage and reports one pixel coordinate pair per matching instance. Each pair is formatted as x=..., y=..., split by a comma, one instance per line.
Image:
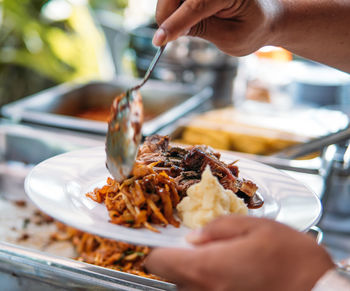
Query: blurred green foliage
x=46, y=42
x=116, y=6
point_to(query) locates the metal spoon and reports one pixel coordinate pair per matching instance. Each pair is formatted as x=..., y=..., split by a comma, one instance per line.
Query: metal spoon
x=124, y=128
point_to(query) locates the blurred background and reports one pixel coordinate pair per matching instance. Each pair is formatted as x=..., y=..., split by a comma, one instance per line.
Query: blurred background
x=62, y=62
x=45, y=43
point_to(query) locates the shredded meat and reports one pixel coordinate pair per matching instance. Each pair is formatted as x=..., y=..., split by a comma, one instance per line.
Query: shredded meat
x=186, y=165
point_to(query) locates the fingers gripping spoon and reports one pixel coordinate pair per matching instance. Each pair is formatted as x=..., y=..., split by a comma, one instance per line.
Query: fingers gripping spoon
x=124, y=128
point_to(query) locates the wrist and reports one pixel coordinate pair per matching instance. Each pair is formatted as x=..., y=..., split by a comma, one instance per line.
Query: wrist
x=278, y=19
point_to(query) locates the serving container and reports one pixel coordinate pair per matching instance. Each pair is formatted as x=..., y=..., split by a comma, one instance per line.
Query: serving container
x=263, y=130
x=59, y=106
x=30, y=263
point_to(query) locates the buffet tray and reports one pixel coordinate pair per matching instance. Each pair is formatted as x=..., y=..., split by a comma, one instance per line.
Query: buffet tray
x=60, y=106
x=27, y=260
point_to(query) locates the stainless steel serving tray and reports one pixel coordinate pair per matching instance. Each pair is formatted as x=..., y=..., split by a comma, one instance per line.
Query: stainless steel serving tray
x=32, y=264
x=56, y=107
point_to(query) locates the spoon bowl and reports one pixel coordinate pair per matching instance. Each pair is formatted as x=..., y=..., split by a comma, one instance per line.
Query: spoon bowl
x=124, y=134
x=125, y=128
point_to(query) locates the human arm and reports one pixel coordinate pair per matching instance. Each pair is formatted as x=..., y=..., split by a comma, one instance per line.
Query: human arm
x=315, y=29
x=243, y=253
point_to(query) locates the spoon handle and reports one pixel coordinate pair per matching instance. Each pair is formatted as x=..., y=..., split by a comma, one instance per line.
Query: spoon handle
x=151, y=67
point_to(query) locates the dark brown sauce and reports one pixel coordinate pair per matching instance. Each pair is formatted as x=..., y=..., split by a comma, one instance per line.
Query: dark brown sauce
x=254, y=202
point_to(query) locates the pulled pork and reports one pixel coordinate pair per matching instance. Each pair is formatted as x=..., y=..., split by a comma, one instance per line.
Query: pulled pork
x=186, y=164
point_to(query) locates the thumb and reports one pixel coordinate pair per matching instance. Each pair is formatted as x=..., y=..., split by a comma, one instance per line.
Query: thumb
x=226, y=227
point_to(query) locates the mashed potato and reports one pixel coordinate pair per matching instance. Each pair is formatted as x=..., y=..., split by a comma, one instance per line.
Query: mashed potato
x=207, y=200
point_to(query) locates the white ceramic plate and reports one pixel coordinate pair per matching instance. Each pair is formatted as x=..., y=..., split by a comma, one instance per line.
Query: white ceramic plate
x=58, y=187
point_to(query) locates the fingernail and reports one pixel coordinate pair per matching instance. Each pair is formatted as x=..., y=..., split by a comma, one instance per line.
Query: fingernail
x=159, y=37
x=194, y=236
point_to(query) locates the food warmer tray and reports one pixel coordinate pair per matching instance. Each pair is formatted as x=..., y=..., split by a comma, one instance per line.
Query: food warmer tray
x=32, y=264
x=59, y=106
